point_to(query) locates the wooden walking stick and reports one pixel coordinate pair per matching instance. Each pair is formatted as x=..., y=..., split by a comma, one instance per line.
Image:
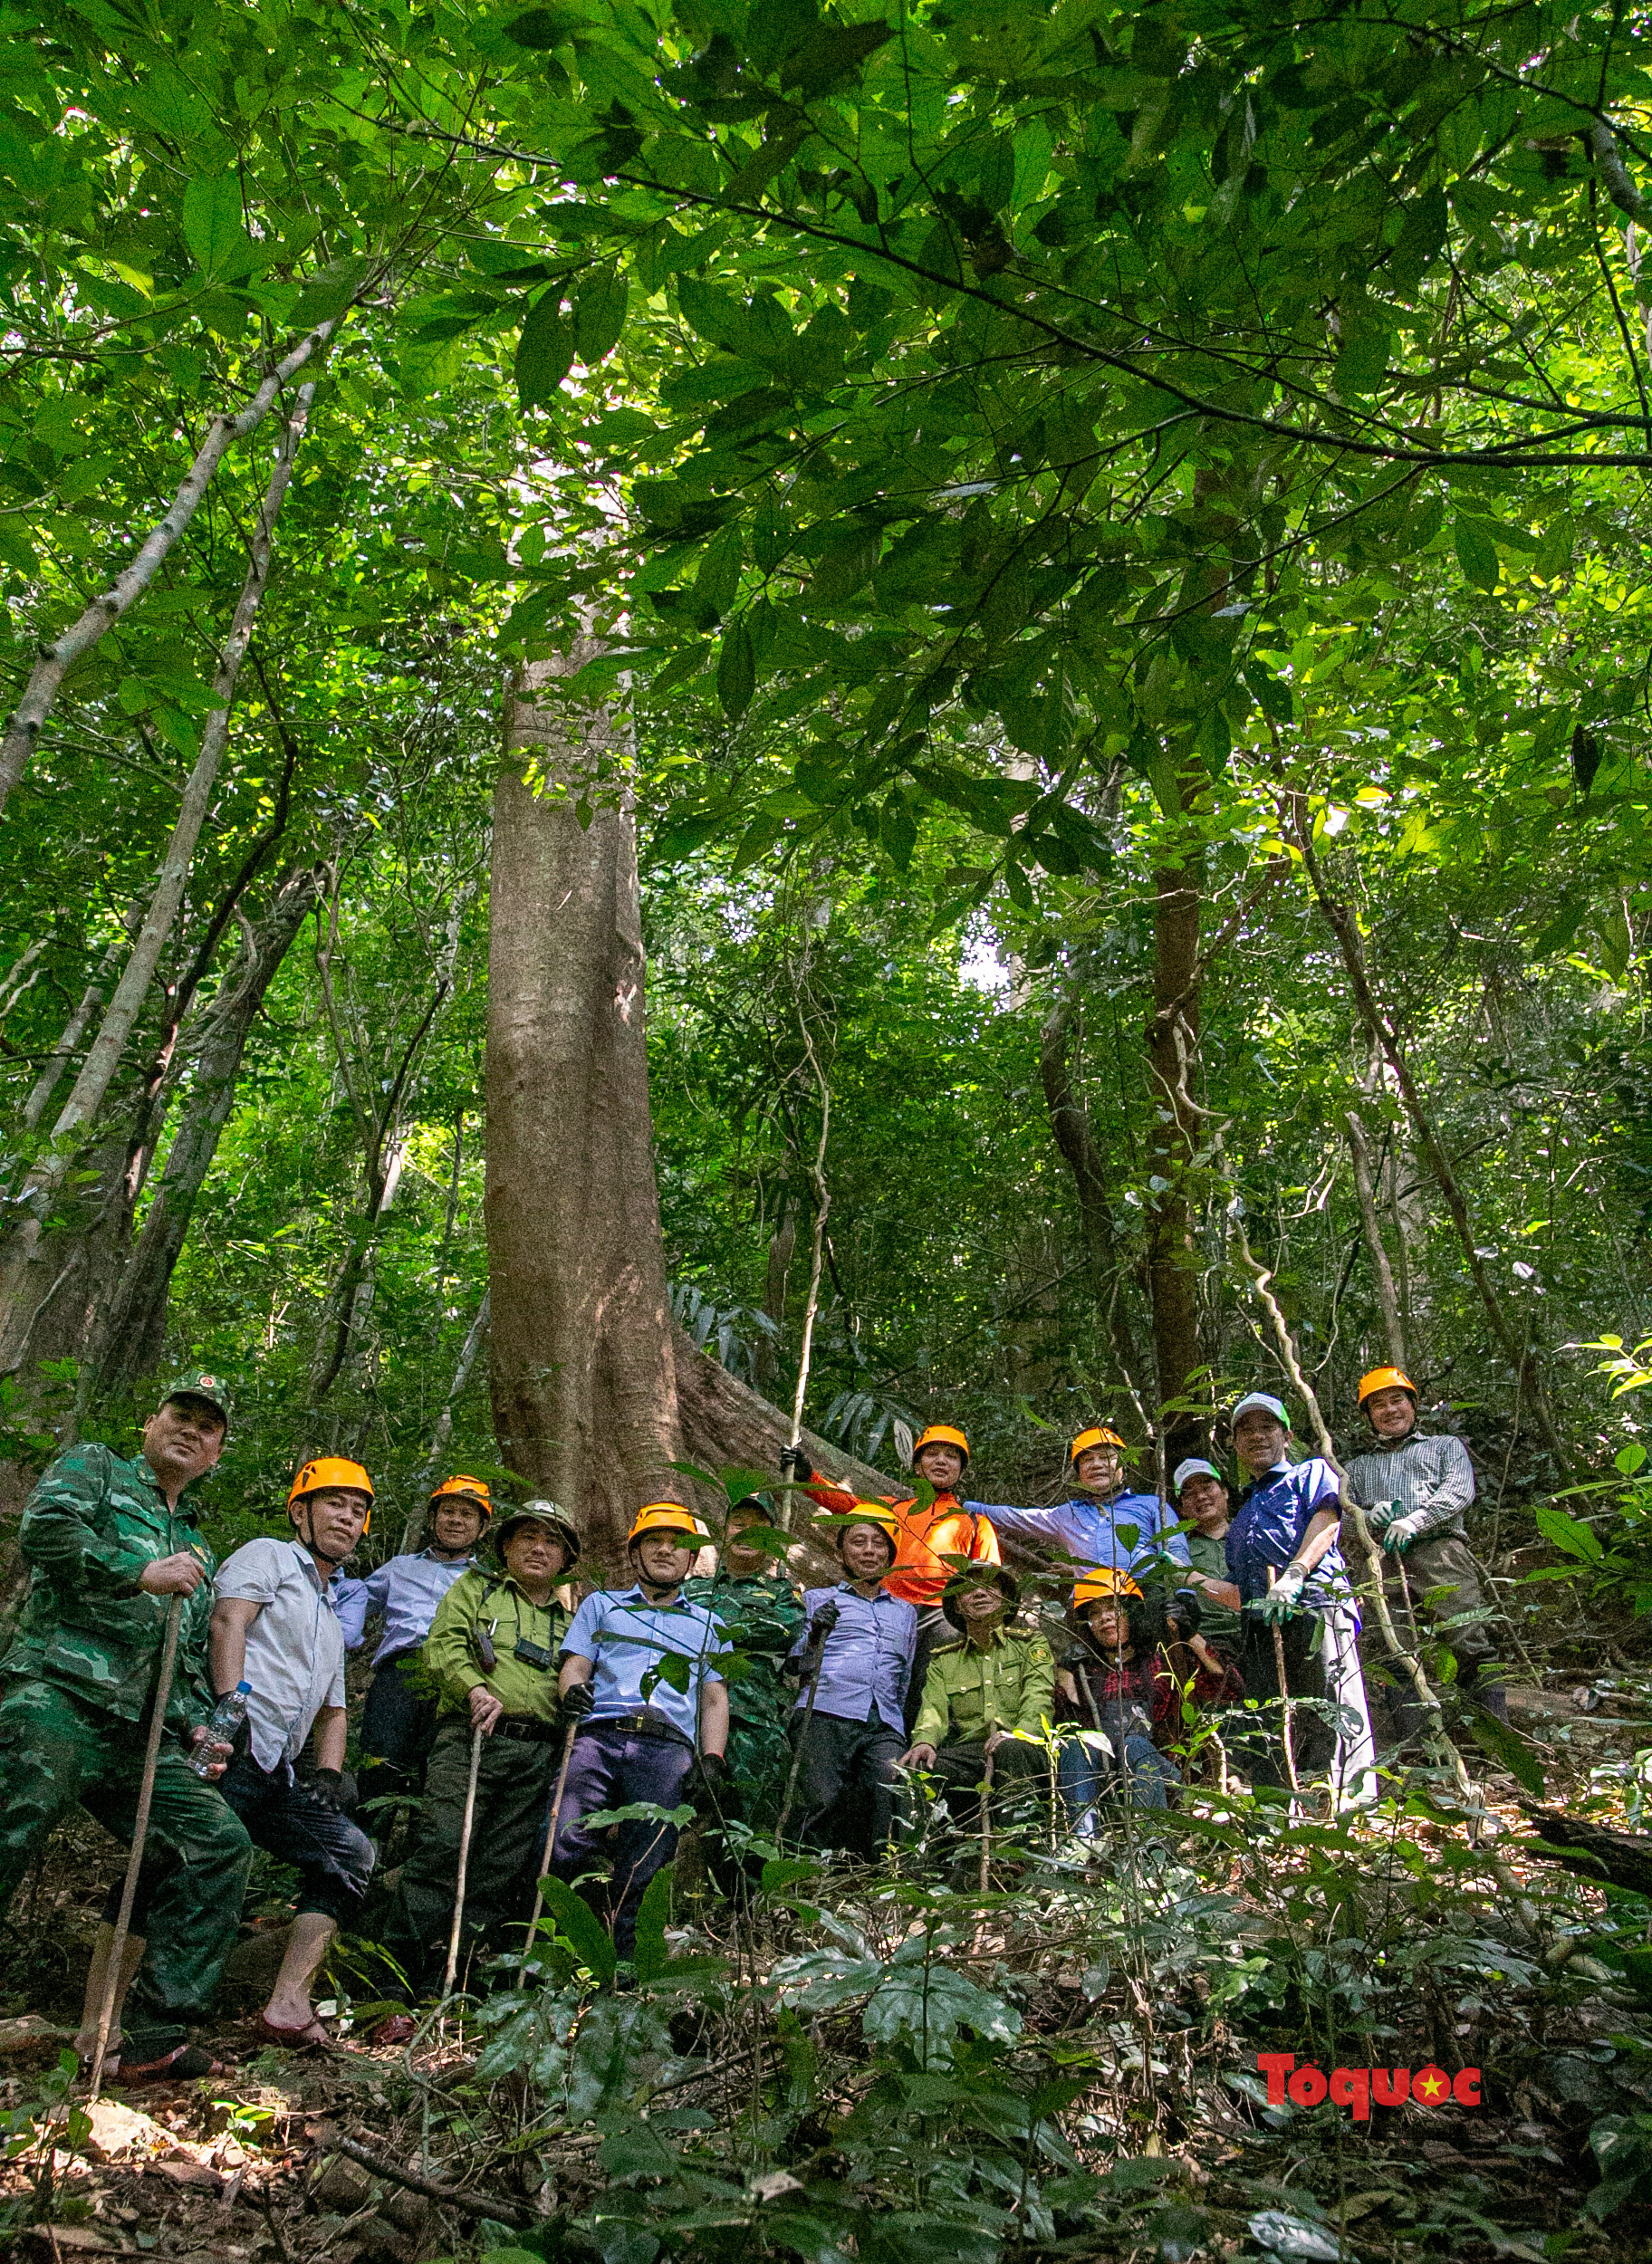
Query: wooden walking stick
x=458, y=1891
x=802, y=1735
x=140, y=1826
x=544, y=1861
x=1284, y=1692
x=987, y=1821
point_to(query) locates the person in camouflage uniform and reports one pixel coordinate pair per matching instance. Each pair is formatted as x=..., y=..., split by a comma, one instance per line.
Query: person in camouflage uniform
x=760, y=1613
x=109, y=1544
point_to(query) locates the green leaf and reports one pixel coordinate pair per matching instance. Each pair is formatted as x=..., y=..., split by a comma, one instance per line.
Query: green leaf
x=544, y=351
x=327, y=293
x=600, y=308
x=580, y=1929
x=1507, y=1746
x=651, y=1955
x=1562, y=1530
x=1476, y=552
x=1554, y=551
x=737, y=671
x=832, y=53
x=1362, y=363
x=212, y=225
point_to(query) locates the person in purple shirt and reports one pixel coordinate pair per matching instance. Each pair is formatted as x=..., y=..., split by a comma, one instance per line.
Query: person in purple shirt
x=399, y=1721
x=856, y=1650
x=1101, y=1525
x=1282, y=1555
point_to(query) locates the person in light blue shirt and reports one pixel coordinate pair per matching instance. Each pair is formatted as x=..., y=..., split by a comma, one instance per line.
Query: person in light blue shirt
x=643, y=1685
x=1102, y=1526
x=853, y=1661
x=399, y=1721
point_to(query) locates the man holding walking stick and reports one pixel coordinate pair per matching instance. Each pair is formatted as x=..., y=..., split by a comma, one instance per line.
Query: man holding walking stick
x=110, y=1544
x=493, y=1653
x=641, y=1671
x=1282, y=1556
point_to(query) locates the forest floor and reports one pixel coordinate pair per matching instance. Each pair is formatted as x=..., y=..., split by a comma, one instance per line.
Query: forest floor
x=1143, y=1983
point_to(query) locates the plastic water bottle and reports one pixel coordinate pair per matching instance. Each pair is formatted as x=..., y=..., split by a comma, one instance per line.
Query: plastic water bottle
x=227, y=1716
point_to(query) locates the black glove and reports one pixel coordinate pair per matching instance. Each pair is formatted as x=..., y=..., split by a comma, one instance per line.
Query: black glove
x=327, y=1789
x=796, y=1465
x=706, y=1783
x=823, y=1622
x=1186, y=1611
x=577, y=1701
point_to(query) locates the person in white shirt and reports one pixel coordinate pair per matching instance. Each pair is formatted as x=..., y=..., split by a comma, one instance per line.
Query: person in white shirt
x=275, y=1626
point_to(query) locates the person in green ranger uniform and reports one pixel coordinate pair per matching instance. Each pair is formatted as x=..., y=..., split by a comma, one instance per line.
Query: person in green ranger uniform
x=760, y=1612
x=990, y=1695
x=109, y=1544
x=492, y=1651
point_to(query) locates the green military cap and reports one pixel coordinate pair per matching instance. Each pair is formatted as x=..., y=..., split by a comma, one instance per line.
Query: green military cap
x=196, y=1383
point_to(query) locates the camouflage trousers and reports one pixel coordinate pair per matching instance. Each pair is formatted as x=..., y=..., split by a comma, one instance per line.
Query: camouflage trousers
x=759, y=1758
x=57, y=1753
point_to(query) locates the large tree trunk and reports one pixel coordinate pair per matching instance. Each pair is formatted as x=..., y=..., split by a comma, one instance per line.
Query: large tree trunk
x=132, y=1335
x=583, y=1380
x=1173, y=1039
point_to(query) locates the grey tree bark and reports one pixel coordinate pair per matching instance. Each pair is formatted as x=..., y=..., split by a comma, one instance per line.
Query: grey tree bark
x=23, y=1273
x=584, y=1383
x=131, y=1337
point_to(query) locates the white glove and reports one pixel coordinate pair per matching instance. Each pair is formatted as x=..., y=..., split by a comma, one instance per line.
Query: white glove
x=1285, y=1594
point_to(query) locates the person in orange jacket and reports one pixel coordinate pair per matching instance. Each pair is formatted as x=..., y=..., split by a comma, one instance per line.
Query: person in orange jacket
x=933, y=1540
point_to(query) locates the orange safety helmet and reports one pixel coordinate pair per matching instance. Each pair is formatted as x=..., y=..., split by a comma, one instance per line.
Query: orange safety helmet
x=940, y=1434
x=878, y=1513
x=467, y=1488
x=1104, y=1581
x=329, y=1471
x=668, y=1517
x=1098, y=1434
x=1386, y=1379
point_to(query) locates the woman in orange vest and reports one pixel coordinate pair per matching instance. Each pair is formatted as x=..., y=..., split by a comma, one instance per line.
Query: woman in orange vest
x=933, y=1540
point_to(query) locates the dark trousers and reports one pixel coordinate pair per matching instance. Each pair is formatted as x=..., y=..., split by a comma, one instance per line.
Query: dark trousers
x=612, y=1767
x=1441, y=1580
x=848, y=1781
x=397, y=1731
x=1020, y=1774
x=507, y=1838
x=936, y=1633
x=333, y=1857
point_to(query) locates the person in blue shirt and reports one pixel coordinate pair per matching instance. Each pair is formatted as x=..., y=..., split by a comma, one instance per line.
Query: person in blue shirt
x=855, y=1655
x=1102, y=1525
x=640, y=1675
x=1283, y=1557
x=399, y=1720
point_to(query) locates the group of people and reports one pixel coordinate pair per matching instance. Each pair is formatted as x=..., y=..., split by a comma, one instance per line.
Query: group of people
x=542, y=1737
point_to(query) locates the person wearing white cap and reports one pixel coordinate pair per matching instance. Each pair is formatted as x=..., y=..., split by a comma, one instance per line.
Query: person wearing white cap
x=1287, y=1525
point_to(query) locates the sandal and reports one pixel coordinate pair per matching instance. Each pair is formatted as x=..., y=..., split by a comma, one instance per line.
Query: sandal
x=310, y=2035
x=188, y=2064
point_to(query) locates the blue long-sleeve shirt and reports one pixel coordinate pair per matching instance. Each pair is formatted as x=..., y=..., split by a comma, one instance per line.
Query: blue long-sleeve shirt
x=406, y=1590
x=1097, y=1533
x=867, y=1656
x=628, y=1639
x=1273, y=1514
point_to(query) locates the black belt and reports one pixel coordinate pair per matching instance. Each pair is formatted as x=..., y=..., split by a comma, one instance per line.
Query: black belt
x=647, y=1723
x=528, y=1727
